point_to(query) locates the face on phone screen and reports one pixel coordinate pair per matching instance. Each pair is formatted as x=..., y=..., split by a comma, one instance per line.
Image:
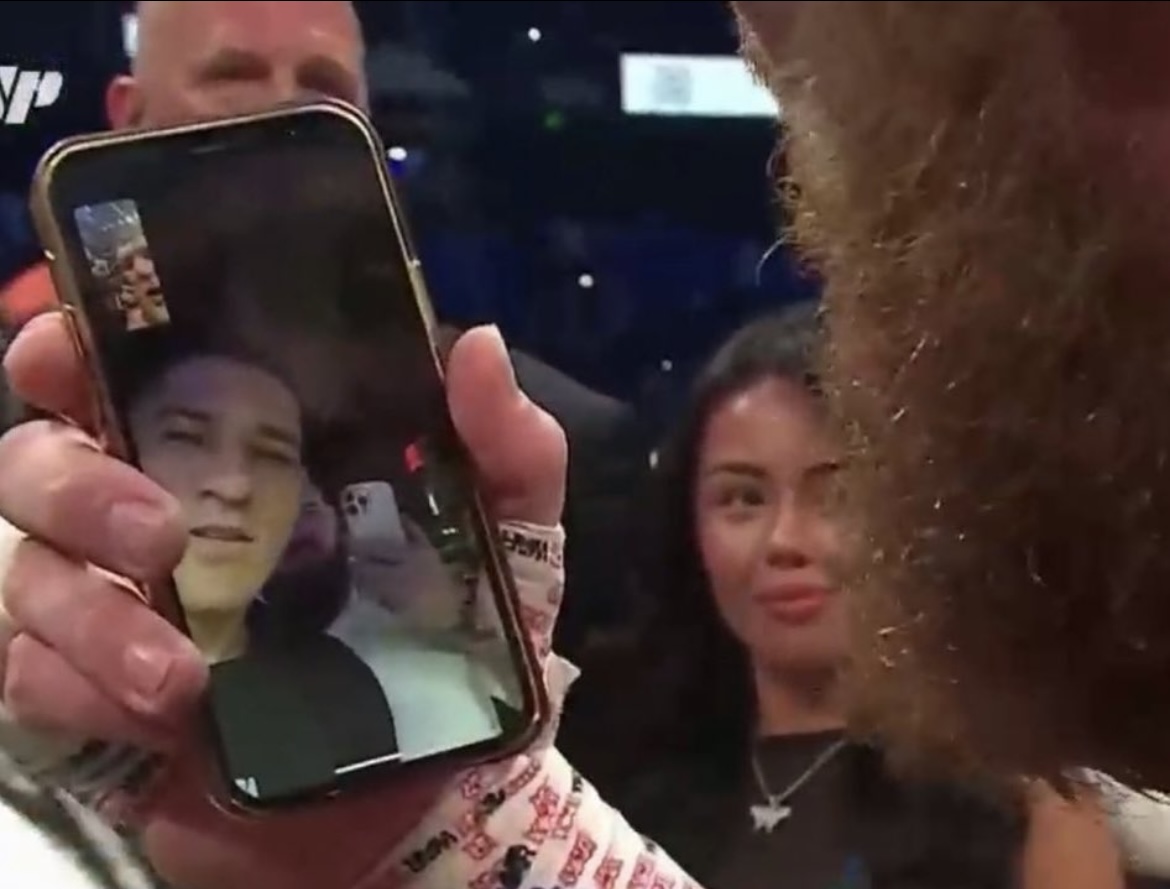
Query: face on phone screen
x=251, y=311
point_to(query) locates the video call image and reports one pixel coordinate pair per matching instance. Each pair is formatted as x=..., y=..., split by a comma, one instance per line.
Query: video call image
x=119, y=257
x=333, y=570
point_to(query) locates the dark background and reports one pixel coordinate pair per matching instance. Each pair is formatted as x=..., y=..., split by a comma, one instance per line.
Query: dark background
x=523, y=184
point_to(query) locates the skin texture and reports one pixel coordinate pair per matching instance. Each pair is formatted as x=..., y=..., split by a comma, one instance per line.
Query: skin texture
x=980, y=186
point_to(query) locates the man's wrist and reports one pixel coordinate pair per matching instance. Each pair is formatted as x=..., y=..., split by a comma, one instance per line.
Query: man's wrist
x=543, y=544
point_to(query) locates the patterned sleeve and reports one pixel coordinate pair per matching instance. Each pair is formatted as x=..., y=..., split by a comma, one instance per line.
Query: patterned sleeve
x=532, y=821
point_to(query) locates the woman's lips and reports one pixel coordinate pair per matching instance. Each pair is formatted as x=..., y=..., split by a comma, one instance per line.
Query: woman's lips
x=795, y=604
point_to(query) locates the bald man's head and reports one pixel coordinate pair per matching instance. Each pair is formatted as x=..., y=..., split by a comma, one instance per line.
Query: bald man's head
x=213, y=58
x=983, y=187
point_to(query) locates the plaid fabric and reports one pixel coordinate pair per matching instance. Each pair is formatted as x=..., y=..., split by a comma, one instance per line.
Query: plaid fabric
x=80, y=847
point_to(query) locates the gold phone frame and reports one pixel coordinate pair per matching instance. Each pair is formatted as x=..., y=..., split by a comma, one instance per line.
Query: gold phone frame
x=109, y=429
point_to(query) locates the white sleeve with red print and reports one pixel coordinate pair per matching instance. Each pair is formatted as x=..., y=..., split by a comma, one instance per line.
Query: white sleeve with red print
x=532, y=822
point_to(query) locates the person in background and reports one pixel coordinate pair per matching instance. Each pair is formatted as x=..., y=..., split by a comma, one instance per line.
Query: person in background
x=729, y=699
x=203, y=59
x=983, y=189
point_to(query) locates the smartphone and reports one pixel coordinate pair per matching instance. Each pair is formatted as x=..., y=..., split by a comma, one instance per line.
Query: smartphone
x=255, y=321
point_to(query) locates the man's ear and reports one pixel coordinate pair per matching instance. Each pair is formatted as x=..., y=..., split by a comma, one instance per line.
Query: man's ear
x=123, y=103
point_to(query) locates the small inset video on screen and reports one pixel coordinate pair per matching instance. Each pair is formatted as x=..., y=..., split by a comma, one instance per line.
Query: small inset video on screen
x=120, y=259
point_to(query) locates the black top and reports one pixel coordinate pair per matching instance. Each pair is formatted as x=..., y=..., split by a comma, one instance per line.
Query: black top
x=290, y=716
x=852, y=825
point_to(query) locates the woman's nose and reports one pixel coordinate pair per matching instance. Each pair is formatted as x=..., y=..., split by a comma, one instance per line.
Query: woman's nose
x=786, y=546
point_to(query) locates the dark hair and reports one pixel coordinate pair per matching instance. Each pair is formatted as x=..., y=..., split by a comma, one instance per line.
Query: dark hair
x=699, y=702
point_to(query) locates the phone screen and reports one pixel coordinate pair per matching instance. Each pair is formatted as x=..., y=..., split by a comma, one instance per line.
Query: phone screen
x=249, y=303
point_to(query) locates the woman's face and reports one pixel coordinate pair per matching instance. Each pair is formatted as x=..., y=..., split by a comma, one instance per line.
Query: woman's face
x=766, y=467
x=224, y=438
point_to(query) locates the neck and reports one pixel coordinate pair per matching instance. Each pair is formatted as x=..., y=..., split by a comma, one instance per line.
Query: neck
x=220, y=636
x=794, y=703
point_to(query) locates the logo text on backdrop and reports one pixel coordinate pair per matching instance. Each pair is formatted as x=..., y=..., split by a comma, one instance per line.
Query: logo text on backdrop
x=23, y=90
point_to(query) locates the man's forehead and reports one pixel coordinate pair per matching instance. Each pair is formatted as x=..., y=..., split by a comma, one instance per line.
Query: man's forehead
x=217, y=385
x=269, y=29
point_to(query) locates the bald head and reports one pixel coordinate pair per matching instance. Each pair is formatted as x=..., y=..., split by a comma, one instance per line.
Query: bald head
x=210, y=58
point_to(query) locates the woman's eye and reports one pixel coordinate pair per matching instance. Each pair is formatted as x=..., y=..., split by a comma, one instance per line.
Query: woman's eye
x=742, y=498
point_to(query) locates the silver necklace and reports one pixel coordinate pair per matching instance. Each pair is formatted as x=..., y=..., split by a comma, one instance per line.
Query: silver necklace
x=775, y=810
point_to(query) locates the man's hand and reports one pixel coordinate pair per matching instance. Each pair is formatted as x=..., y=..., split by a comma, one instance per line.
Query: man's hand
x=83, y=657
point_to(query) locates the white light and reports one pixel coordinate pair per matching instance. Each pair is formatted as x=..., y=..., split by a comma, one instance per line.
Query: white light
x=585, y=282
x=130, y=34
x=667, y=365
x=534, y=35
x=692, y=86
x=397, y=153
x=653, y=461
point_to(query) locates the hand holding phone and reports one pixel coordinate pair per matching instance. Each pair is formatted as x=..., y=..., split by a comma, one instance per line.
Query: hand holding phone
x=252, y=321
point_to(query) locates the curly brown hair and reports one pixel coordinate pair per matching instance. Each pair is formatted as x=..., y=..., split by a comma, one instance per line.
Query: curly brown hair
x=998, y=345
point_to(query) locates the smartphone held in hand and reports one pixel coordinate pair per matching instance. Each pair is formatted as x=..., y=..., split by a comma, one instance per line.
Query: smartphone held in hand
x=260, y=342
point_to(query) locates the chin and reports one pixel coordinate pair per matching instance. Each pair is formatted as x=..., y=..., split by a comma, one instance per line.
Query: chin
x=803, y=656
x=210, y=589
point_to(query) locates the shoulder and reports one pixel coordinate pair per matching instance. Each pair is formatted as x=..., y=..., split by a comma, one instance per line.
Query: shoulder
x=26, y=294
x=903, y=821
x=318, y=659
x=1069, y=843
x=1140, y=820
x=579, y=409
x=288, y=670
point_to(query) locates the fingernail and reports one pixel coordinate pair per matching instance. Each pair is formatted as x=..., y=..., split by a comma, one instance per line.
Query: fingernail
x=147, y=668
x=134, y=526
x=495, y=333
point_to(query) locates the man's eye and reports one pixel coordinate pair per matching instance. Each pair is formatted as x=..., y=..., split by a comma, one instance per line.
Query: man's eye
x=183, y=436
x=275, y=457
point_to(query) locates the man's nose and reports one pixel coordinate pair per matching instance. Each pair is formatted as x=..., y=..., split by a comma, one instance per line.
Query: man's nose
x=229, y=479
x=287, y=88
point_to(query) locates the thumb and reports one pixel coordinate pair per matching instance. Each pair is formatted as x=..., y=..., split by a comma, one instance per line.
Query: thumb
x=519, y=451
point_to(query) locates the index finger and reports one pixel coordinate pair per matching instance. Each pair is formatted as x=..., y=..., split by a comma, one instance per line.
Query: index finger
x=46, y=370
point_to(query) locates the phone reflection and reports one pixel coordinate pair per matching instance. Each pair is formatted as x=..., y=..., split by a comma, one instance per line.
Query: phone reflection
x=120, y=257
